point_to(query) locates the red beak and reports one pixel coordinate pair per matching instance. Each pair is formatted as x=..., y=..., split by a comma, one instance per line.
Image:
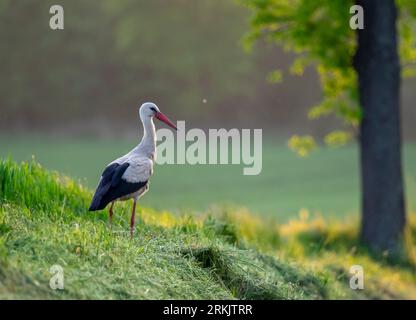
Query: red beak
x=160, y=116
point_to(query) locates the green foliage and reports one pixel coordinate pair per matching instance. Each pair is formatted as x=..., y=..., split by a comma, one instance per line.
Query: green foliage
x=302, y=145
x=407, y=30
x=223, y=255
x=337, y=138
x=318, y=32
x=275, y=76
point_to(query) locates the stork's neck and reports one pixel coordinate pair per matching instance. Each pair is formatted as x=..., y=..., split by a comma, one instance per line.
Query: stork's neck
x=147, y=146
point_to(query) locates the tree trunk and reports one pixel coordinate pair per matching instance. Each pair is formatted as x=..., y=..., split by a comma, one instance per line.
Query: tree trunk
x=378, y=68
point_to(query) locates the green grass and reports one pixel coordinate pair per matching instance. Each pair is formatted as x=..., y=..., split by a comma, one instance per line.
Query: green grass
x=326, y=182
x=221, y=253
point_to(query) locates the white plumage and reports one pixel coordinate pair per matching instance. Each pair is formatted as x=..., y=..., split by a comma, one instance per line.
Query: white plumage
x=140, y=169
x=128, y=177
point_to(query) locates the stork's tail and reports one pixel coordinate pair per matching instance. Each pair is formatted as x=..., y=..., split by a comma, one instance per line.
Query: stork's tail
x=97, y=204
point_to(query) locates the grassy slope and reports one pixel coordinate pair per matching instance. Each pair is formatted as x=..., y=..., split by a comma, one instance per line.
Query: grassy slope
x=219, y=254
x=327, y=181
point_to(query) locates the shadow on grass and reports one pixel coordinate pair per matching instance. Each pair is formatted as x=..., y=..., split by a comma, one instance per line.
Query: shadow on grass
x=246, y=280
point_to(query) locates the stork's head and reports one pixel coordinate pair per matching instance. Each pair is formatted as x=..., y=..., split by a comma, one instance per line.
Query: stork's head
x=149, y=110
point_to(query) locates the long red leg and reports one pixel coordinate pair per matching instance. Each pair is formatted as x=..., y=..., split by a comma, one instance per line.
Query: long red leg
x=110, y=213
x=133, y=216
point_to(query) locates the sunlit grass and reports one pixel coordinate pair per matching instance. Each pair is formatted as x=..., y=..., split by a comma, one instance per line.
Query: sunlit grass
x=224, y=252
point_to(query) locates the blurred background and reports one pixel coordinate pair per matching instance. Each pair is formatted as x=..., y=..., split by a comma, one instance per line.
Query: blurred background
x=70, y=97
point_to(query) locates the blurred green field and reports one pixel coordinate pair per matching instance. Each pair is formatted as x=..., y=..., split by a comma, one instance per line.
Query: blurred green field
x=326, y=182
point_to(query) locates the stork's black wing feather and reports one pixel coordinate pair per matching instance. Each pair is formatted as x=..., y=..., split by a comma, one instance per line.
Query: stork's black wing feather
x=118, y=173
x=110, y=186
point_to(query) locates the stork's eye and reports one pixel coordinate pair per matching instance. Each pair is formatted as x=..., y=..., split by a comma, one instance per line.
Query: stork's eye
x=153, y=109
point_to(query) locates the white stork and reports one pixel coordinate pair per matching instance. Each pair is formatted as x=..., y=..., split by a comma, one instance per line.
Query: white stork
x=128, y=176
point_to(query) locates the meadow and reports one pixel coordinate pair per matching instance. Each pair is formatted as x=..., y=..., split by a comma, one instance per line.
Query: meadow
x=218, y=254
x=325, y=183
